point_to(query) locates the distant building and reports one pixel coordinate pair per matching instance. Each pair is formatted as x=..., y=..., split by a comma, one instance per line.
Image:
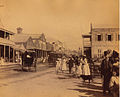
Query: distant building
x=99, y=40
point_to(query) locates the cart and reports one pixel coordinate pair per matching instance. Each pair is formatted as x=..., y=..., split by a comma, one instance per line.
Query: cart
x=29, y=61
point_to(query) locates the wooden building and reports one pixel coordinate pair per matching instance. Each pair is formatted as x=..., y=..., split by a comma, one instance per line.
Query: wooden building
x=7, y=46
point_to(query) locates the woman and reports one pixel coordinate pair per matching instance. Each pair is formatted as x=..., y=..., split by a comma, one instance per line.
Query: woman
x=79, y=69
x=58, y=65
x=86, y=71
x=64, y=64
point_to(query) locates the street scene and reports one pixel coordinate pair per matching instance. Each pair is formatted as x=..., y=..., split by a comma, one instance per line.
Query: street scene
x=45, y=83
x=59, y=48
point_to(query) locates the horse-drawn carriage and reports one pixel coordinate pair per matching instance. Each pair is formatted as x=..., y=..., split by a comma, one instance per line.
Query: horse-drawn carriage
x=53, y=57
x=29, y=60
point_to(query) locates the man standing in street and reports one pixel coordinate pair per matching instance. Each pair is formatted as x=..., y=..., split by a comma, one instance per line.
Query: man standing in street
x=71, y=61
x=106, y=71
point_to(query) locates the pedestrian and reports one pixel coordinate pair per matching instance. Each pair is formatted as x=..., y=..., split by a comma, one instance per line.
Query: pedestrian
x=76, y=65
x=106, y=71
x=79, y=69
x=114, y=84
x=86, y=70
x=64, y=64
x=70, y=63
x=2, y=61
x=58, y=65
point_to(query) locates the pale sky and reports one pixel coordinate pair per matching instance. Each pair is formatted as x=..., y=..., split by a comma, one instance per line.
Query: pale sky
x=65, y=20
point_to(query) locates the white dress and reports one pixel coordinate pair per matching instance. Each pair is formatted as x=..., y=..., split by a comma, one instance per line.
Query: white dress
x=2, y=61
x=64, y=64
x=79, y=70
x=86, y=69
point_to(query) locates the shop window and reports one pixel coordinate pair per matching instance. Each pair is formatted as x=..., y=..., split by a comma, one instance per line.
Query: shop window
x=109, y=38
x=99, y=37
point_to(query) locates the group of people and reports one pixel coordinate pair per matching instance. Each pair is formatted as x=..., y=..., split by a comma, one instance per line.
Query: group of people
x=78, y=66
x=110, y=73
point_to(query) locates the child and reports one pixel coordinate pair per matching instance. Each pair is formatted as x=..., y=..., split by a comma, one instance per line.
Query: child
x=114, y=84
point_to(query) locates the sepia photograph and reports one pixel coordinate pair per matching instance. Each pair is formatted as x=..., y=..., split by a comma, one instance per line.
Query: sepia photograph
x=59, y=48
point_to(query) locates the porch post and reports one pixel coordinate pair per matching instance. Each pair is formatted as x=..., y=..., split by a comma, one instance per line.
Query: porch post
x=13, y=55
x=4, y=51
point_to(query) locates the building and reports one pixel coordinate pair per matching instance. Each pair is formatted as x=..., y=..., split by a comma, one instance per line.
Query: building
x=7, y=46
x=39, y=41
x=87, y=45
x=100, y=40
x=103, y=39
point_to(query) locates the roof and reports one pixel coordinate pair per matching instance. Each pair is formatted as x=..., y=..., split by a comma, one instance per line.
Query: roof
x=35, y=36
x=105, y=29
x=86, y=35
x=10, y=32
x=20, y=38
x=20, y=47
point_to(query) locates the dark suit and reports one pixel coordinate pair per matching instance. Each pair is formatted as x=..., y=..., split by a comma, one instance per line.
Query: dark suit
x=106, y=72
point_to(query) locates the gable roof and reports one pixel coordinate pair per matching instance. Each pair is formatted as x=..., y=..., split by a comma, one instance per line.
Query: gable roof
x=20, y=38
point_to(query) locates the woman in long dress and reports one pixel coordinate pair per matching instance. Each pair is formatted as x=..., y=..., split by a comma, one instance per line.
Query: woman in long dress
x=64, y=65
x=58, y=65
x=86, y=69
x=79, y=69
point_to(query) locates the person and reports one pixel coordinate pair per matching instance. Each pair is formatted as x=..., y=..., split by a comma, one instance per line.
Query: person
x=76, y=61
x=70, y=62
x=79, y=69
x=114, y=84
x=106, y=72
x=86, y=69
x=58, y=65
x=64, y=64
x=2, y=61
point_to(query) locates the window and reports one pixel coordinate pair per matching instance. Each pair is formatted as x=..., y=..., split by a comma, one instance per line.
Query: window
x=99, y=37
x=109, y=38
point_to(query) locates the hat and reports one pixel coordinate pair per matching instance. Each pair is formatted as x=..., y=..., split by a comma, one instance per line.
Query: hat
x=105, y=53
x=115, y=54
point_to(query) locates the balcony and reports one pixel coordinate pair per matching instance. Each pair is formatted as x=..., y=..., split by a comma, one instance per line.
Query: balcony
x=87, y=44
x=6, y=42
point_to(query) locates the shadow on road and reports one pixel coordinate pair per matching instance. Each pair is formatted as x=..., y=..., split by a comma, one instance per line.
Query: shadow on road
x=90, y=90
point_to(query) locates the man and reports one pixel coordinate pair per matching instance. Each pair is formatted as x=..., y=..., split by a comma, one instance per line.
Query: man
x=106, y=71
x=70, y=62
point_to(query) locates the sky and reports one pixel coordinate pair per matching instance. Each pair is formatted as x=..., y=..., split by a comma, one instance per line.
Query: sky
x=65, y=20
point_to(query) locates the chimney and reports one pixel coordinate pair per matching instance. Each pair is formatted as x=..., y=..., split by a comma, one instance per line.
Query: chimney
x=19, y=30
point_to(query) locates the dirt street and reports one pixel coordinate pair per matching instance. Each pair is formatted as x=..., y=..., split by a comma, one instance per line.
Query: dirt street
x=47, y=83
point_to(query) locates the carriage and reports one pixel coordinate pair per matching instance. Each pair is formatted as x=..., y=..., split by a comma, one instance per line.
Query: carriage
x=29, y=60
x=53, y=57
